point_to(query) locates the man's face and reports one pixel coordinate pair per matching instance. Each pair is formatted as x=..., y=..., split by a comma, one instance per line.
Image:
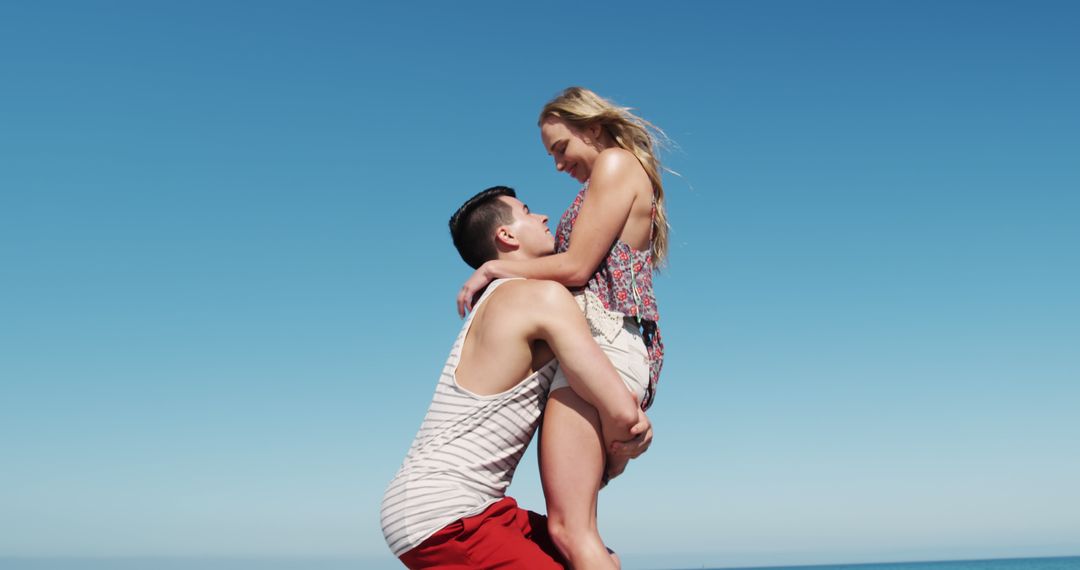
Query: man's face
x=531, y=230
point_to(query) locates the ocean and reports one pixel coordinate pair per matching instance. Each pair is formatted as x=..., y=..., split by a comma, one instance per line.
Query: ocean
x=1060, y=563
x=1063, y=563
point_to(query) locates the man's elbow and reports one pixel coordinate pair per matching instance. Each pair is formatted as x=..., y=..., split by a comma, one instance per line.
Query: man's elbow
x=625, y=416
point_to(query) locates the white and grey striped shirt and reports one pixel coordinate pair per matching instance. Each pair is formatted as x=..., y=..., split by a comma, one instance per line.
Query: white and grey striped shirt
x=465, y=453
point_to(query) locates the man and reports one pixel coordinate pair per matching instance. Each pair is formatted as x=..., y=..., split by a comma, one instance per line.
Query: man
x=446, y=507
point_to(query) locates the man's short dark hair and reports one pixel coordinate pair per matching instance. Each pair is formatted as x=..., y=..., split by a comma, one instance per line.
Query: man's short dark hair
x=472, y=224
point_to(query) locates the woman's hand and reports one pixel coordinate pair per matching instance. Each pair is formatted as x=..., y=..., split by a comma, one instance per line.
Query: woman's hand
x=633, y=448
x=476, y=283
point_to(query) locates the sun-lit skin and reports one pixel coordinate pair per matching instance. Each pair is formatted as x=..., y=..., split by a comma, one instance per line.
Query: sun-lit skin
x=574, y=150
x=618, y=208
x=529, y=231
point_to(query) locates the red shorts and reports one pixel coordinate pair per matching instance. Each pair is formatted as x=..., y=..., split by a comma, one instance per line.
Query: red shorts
x=503, y=536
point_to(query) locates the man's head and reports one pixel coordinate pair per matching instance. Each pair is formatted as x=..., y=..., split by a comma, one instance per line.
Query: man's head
x=494, y=224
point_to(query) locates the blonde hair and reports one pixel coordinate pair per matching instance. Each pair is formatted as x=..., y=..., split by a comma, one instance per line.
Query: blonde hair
x=581, y=108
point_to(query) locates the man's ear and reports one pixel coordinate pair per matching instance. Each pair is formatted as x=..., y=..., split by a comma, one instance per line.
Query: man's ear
x=505, y=240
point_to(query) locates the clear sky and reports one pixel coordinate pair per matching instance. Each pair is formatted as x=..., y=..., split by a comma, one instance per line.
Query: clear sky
x=228, y=288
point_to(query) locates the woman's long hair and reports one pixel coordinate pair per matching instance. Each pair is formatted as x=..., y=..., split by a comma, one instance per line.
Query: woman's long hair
x=582, y=108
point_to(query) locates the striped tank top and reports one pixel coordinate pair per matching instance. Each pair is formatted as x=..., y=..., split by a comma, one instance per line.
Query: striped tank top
x=465, y=453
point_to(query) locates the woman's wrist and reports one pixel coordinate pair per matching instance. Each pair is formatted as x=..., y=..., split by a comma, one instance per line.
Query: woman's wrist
x=491, y=270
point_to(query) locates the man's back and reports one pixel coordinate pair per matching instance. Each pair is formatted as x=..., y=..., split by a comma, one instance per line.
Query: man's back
x=503, y=327
x=479, y=424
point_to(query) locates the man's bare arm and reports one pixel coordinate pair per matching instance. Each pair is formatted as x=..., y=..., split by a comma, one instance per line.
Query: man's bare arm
x=556, y=319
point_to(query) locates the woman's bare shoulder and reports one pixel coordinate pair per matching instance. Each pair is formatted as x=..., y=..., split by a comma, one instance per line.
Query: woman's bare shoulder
x=617, y=165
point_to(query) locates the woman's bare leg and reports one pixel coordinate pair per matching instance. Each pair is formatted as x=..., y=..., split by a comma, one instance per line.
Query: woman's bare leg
x=571, y=467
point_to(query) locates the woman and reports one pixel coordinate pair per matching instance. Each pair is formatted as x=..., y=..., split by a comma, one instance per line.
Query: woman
x=607, y=244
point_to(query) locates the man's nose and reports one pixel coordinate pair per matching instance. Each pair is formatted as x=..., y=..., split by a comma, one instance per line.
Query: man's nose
x=559, y=165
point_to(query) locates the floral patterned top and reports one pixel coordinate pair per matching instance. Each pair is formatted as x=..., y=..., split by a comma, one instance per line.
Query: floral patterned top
x=623, y=283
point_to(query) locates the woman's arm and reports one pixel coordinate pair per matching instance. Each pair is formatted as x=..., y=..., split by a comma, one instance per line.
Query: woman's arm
x=600, y=221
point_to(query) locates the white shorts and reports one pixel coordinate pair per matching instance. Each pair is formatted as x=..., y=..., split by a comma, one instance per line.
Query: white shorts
x=627, y=353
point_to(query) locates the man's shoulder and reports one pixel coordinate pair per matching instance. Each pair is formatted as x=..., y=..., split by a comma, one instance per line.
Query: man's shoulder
x=521, y=309
x=528, y=295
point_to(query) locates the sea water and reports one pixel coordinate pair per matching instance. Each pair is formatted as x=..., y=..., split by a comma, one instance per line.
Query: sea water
x=1067, y=563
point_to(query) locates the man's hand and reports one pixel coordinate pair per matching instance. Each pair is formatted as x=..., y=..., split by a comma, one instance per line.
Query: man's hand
x=615, y=467
x=475, y=284
x=620, y=453
x=633, y=448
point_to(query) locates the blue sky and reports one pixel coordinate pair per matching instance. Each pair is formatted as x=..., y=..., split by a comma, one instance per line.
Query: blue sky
x=228, y=286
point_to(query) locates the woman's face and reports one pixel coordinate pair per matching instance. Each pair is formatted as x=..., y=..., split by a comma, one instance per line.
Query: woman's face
x=574, y=150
